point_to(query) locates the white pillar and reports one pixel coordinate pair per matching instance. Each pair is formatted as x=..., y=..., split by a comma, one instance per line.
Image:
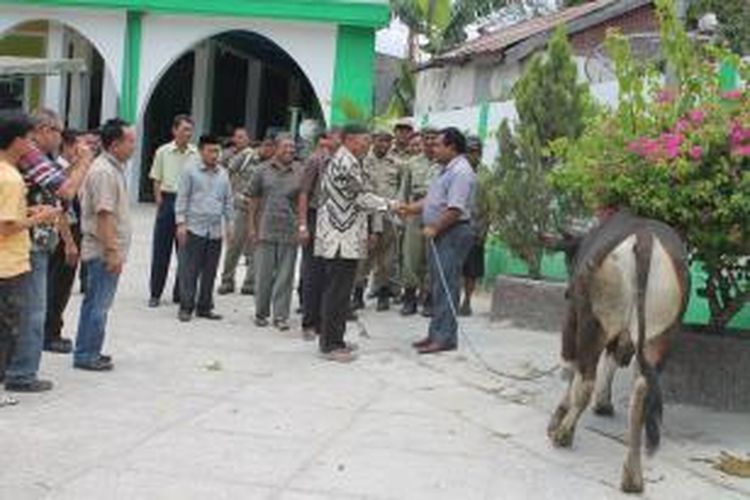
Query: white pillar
x=54, y=85
x=203, y=86
x=252, y=99
x=80, y=86
x=109, y=96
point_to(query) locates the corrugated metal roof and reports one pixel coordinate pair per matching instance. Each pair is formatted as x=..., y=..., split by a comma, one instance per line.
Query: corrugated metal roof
x=506, y=37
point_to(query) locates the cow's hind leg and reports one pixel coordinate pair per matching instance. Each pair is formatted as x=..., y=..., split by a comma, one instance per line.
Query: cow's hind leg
x=562, y=409
x=603, y=389
x=632, y=473
x=579, y=396
x=618, y=354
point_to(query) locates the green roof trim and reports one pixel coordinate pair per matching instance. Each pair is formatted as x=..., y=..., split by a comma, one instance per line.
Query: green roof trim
x=369, y=13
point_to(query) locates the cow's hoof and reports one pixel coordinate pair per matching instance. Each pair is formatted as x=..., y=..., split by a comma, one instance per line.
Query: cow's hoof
x=563, y=438
x=604, y=409
x=632, y=482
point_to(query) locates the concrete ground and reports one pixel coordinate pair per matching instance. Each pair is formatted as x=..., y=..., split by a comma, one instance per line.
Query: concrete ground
x=227, y=410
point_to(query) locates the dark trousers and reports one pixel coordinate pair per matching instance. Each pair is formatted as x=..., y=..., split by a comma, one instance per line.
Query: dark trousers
x=339, y=281
x=313, y=279
x=199, y=261
x=60, y=280
x=451, y=247
x=12, y=298
x=164, y=242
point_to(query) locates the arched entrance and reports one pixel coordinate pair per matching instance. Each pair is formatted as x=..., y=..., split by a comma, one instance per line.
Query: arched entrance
x=58, y=67
x=236, y=78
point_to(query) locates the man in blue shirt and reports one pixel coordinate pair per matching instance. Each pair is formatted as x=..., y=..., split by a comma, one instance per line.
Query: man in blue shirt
x=446, y=213
x=204, y=207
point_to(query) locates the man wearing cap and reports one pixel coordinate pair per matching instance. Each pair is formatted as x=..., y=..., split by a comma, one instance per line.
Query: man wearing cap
x=241, y=168
x=414, y=185
x=402, y=134
x=385, y=172
x=473, y=269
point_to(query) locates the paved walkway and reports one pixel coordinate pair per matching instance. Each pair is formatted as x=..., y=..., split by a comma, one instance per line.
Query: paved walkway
x=227, y=410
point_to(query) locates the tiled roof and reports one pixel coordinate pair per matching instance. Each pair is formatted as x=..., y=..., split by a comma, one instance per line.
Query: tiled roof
x=504, y=38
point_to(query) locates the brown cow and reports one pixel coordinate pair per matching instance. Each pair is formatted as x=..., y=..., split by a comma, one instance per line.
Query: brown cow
x=628, y=291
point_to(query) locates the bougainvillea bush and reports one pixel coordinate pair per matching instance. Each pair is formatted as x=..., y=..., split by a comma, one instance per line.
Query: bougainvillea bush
x=676, y=149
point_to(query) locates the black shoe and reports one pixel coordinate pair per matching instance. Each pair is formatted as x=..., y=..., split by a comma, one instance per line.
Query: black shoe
x=246, y=290
x=105, y=357
x=261, y=322
x=35, y=386
x=384, y=301
x=59, y=346
x=409, y=307
x=225, y=289
x=184, y=316
x=154, y=302
x=358, y=301
x=427, y=311
x=99, y=365
x=208, y=315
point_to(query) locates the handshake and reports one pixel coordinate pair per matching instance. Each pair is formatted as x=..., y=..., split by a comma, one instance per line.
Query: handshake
x=404, y=209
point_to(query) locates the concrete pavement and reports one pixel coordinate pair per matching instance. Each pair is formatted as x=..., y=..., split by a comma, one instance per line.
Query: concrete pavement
x=227, y=410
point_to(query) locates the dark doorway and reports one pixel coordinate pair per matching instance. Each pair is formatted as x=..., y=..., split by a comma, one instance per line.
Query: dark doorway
x=172, y=96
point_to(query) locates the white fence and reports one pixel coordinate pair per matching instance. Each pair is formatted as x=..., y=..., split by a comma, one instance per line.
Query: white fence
x=484, y=120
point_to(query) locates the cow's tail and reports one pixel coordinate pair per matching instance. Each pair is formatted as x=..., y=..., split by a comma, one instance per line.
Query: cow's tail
x=652, y=405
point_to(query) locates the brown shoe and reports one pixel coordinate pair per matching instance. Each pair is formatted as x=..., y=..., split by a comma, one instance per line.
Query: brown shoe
x=435, y=347
x=421, y=343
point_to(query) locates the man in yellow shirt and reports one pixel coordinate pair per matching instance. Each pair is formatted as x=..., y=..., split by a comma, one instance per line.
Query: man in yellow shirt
x=15, y=243
x=169, y=162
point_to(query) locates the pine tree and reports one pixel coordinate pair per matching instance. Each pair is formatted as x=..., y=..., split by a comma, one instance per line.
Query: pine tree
x=551, y=105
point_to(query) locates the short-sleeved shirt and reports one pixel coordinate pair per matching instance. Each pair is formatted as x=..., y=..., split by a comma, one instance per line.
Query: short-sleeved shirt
x=169, y=163
x=278, y=187
x=14, y=248
x=453, y=187
x=104, y=190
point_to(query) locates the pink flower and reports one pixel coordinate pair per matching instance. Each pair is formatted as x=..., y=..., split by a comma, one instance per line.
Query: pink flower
x=671, y=144
x=733, y=95
x=665, y=96
x=682, y=126
x=697, y=116
x=741, y=151
x=696, y=153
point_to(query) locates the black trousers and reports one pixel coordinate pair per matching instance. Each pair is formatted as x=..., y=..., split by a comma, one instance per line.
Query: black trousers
x=12, y=296
x=338, y=283
x=313, y=279
x=60, y=280
x=199, y=261
x=164, y=242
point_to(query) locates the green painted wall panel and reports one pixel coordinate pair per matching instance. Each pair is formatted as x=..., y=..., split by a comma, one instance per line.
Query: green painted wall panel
x=370, y=13
x=22, y=46
x=353, y=82
x=131, y=67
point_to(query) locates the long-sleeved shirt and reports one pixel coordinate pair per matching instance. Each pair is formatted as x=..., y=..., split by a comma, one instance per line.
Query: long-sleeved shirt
x=345, y=201
x=204, y=200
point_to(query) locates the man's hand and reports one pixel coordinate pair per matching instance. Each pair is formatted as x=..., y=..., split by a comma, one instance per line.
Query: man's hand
x=83, y=154
x=157, y=198
x=252, y=237
x=71, y=254
x=373, y=240
x=430, y=232
x=44, y=214
x=303, y=235
x=181, y=234
x=113, y=261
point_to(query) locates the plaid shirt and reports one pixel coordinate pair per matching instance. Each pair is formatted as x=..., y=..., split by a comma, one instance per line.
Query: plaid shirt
x=44, y=178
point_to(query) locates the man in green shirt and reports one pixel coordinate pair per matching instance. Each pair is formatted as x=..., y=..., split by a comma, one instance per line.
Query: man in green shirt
x=414, y=185
x=170, y=161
